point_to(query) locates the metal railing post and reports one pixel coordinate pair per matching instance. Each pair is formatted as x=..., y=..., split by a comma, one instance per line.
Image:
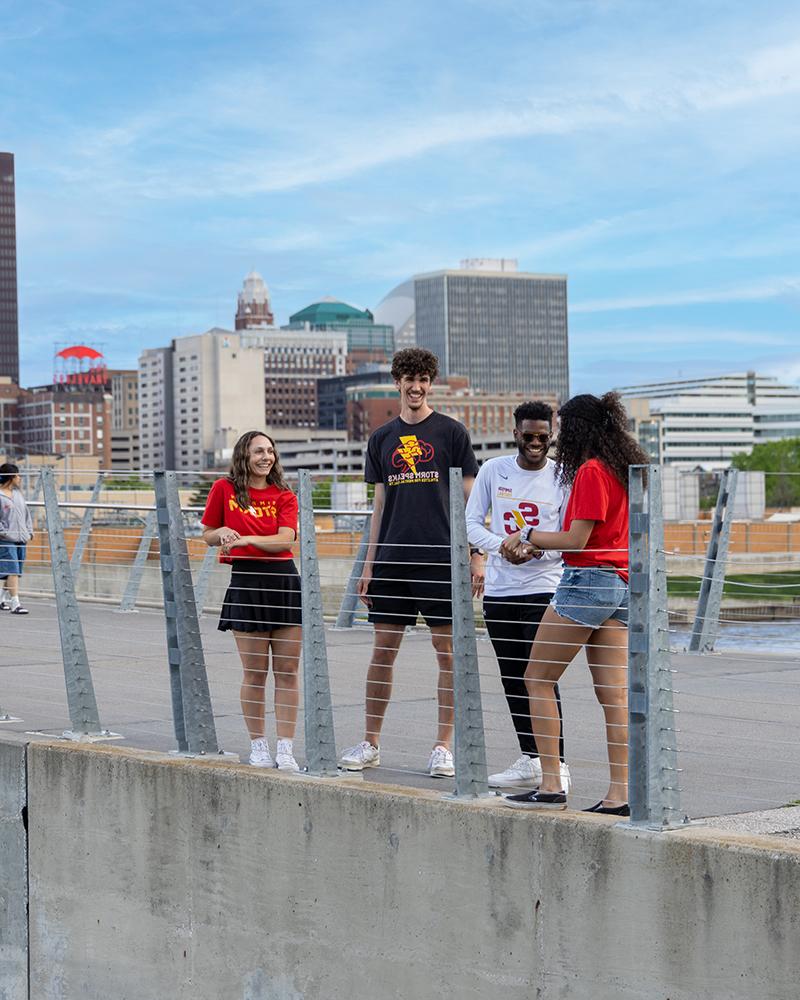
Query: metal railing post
x=149, y=532
x=652, y=765
x=350, y=599
x=192, y=713
x=83, y=713
x=709, y=600
x=86, y=527
x=203, y=578
x=469, y=739
x=317, y=707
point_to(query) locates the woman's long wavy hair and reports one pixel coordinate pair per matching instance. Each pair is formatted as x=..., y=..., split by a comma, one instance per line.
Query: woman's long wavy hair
x=596, y=427
x=239, y=472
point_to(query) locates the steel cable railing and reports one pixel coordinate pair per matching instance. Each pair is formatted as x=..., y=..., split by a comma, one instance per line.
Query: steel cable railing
x=727, y=737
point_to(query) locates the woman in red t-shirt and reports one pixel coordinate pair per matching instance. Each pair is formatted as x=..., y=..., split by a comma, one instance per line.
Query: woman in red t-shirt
x=252, y=516
x=590, y=605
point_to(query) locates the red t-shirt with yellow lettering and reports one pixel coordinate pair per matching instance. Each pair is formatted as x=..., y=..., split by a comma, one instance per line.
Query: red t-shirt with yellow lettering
x=269, y=510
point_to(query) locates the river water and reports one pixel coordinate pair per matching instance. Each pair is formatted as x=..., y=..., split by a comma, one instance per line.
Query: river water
x=765, y=636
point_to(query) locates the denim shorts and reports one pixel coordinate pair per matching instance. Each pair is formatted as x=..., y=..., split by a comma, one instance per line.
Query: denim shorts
x=590, y=596
x=12, y=556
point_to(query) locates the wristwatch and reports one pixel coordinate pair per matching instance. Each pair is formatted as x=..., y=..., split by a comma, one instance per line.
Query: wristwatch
x=473, y=551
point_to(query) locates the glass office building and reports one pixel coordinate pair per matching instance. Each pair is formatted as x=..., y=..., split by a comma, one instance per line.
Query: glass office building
x=505, y=330
x=9, y=320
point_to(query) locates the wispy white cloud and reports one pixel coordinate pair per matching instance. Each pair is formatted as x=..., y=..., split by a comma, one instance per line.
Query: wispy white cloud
x=266, y=131
x=787, y=288
x=660, y=339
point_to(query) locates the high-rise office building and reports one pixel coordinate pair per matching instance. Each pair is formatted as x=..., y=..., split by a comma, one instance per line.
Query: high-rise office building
x=506, y=330
x=294, y=361
x=9, y=315
x=196, y=397
x=125, y=452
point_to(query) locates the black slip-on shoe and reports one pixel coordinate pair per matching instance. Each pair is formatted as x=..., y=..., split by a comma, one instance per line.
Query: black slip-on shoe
x=598, y=807
x=536, y=799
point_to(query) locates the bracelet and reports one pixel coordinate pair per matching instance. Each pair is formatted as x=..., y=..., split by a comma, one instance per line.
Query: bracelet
x=475, y=552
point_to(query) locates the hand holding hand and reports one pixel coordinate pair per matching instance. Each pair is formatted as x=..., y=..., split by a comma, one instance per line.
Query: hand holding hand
x=510, y=548
x=227, y=535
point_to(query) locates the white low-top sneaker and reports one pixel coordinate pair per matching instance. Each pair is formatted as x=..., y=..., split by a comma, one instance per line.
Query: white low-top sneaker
x=526, y=772
x=360, y=756
x=441, y=764
x=260, y=755
x=284, y=756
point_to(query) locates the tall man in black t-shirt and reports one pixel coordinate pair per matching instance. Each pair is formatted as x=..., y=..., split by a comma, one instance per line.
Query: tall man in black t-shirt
x=407, y=569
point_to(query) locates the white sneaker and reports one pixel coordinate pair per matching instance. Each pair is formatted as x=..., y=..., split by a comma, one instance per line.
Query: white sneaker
x=284, y=756
x=259, y=754
x=362, y=755
x=526, y=773
x=441, y=763
x=523, y=773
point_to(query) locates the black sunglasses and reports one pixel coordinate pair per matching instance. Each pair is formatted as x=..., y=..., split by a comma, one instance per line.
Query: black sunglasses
x=528, y=438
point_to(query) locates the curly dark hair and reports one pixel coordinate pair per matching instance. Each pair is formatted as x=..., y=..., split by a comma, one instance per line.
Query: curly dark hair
x=596, y=427
x=536, y=409
x=239, y=472
x=413, y=361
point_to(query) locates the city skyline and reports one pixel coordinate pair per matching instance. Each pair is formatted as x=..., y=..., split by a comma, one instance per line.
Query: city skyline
x=646, y=153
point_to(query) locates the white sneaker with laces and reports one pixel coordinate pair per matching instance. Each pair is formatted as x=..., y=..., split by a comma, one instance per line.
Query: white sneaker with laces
x=259, y=754
x=284, y=756
x=526, y=772
x=362, y=755
x=441, y=764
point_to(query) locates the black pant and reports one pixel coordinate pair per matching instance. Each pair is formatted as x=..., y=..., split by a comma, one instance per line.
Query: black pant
x=512, y=623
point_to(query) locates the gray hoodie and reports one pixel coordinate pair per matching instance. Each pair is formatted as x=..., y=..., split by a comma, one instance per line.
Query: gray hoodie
x=16, y=525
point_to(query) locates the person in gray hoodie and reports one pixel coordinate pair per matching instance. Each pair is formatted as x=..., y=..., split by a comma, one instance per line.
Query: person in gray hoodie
x=16, y=530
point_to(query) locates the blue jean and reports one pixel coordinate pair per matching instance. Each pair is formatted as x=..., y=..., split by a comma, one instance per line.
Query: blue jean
x=590, y=596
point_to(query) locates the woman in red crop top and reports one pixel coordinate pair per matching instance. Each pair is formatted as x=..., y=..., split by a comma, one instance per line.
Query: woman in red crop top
x=590, y=606
x=252, y=516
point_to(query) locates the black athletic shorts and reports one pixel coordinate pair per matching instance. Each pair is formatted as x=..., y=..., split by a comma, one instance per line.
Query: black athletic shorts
x=401, y=591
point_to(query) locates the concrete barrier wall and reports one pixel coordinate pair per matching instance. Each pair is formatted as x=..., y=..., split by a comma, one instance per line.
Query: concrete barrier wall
x=153, y=877
x=13, y=873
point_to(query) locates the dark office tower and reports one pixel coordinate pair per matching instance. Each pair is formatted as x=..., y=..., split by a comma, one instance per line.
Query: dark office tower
x=9, y=324
x=504, y=329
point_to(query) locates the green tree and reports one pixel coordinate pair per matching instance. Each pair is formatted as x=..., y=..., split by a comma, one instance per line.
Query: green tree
x=132, y=482
x=201, y=487
x=780, y=461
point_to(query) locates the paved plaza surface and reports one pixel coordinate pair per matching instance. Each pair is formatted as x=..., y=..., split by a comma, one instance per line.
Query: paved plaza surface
x=736, y=713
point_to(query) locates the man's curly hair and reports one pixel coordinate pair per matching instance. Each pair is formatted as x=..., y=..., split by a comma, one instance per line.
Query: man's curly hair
x=413, y=361
x=596, y=427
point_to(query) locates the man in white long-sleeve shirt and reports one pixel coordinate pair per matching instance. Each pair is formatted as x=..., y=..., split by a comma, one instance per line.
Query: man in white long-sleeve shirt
x=519, y=490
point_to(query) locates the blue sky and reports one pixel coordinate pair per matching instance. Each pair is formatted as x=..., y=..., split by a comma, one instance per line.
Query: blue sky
x=649, y=151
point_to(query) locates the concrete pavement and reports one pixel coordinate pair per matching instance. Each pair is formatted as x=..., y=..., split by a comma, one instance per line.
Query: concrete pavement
x=736, y=719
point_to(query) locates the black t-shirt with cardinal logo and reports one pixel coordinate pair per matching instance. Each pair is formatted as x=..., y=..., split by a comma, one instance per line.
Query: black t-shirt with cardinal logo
x=413, y=462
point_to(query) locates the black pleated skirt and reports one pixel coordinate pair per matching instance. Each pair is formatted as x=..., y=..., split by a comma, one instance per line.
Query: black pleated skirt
x=263, y=595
